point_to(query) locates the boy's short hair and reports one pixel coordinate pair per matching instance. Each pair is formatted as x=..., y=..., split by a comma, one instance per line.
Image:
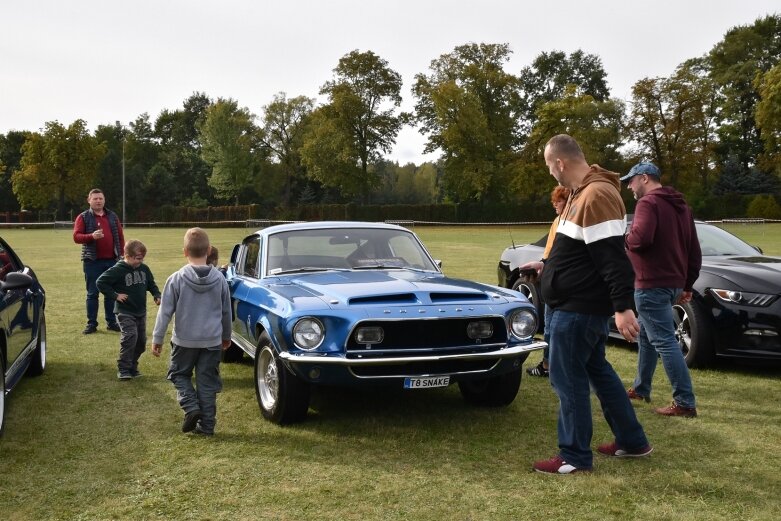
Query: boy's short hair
x=196, y=243
x=134, y=247
x=213, y=257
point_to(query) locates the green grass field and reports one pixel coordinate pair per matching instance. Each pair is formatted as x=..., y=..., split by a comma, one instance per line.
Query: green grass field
x=80, y=445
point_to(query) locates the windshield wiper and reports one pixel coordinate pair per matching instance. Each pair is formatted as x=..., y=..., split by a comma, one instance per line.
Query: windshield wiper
x=304, y=269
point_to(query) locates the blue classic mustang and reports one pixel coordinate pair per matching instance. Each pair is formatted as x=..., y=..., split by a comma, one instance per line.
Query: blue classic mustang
x=359, y=303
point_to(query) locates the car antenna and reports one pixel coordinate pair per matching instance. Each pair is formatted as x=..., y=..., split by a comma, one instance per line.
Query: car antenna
x=511, y=235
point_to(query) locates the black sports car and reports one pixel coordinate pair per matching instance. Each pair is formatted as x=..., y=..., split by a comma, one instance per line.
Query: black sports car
x=735, y=310
x=22, y=324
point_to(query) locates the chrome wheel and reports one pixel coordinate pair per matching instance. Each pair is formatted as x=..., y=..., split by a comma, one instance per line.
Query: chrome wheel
x=267, y=379
x=683, y=332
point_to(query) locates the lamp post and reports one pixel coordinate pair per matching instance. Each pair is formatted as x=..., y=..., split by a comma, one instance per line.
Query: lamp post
x=124, y=140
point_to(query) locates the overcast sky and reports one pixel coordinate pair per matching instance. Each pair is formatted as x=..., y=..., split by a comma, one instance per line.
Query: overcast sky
x=108, y=60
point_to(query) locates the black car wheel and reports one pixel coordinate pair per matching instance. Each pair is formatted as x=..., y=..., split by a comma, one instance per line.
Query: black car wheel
x=38, y=361
x=492, y=392
x=283, y=397
x=693, y=334
x=532, y=292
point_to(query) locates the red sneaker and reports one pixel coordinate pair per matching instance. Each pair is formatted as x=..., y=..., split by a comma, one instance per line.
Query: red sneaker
x=632, y=394
x=677, y=410
x=557, y=465
x=612, y=449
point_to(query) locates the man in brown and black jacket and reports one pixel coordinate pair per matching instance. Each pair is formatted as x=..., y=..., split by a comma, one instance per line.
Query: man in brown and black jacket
x=587, y=278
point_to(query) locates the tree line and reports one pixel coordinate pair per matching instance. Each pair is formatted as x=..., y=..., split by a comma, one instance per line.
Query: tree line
x=713, y=126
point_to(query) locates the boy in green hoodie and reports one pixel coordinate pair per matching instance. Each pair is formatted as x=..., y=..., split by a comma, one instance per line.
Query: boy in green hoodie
x=127, y=283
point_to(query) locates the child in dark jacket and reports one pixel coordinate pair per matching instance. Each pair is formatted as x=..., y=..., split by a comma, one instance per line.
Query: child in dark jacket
x=127, y=283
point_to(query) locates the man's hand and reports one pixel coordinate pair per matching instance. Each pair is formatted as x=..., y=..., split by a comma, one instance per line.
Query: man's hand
x=685, y=297
x=536, y=266
x=97, y=234
x=627, y=324
x=157, y=349
x=226, y=344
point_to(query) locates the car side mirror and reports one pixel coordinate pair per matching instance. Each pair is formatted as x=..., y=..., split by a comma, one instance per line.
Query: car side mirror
x=438, y=262
x=16, y=280
x=759, y=249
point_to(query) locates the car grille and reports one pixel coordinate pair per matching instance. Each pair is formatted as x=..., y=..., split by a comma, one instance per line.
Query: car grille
x=426, y=336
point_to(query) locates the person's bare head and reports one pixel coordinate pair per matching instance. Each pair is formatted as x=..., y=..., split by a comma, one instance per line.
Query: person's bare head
x=565, y=160
x=96, y=200
x=196, y=243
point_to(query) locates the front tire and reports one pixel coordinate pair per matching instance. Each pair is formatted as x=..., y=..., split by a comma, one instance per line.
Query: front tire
x=283, y=397
x=38, y=362
x=693, y=334
x=532, y=292
x=497, y=391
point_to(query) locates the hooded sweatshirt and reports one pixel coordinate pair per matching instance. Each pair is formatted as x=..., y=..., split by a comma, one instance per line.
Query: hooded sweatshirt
x=662, y=243
x=587, y=270
x=134, y=282
x=199, y=300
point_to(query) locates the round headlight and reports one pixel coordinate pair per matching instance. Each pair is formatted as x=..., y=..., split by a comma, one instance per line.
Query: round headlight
x=523, y=324
x=308, y=333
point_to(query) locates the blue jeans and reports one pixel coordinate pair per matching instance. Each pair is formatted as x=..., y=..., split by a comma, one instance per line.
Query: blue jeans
x=657, y=337
x=577, y=364
x=546, y=333
x=93, y=270
x=202, y=396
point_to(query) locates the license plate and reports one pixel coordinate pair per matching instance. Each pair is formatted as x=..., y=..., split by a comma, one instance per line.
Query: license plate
x=426, y=383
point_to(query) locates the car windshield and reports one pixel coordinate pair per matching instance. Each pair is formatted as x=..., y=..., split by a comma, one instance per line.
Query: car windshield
x=715, y=241
x=345, y=249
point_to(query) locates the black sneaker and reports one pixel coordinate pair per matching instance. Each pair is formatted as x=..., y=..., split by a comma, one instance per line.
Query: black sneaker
x=190, y=420
x=89, y=330
x=136, y=374
x=124, y=376
x=113, y=327
x=202, y=432
x=538, y=370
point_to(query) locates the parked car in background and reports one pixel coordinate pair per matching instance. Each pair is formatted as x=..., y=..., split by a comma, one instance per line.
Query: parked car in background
x=23, y=338
x=735, y=311
x=353, y=303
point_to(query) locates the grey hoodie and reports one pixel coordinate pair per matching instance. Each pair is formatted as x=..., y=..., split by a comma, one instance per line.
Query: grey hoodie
x=199, y=300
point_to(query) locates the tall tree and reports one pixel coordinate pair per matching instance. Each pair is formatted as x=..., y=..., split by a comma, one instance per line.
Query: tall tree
x=363, y=99
x=549, y=75
x=673, y=121
x=10, y=160
x=58, y=166
x=284, y=124
x=180, y=150
x=468, y=106
x=745, y=53
x=229, y=141
x=769, y=119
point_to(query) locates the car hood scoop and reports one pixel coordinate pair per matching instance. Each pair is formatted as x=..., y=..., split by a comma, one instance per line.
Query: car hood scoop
x=394, y=288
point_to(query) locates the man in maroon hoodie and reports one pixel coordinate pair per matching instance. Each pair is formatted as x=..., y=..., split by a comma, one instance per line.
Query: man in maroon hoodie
x=665, y=253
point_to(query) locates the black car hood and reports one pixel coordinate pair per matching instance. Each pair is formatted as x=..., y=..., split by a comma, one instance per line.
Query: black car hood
x=759, y=273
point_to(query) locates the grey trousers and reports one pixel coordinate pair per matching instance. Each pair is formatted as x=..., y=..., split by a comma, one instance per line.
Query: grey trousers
x=132, y=342
x=203, y=396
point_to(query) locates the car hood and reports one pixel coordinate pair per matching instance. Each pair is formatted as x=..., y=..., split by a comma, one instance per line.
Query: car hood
x=388, y=288
x=759, y=273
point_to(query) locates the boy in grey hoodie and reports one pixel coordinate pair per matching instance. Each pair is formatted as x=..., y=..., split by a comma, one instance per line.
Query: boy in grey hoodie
x=198, y=299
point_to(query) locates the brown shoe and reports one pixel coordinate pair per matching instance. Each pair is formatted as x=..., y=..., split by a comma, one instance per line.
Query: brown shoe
x=632, y=394
x=677, y=410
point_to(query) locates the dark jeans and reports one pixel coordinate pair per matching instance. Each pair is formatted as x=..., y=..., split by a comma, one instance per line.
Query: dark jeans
x=132, y=342
x=578, y=364
x=93, y=270
x=203, y=397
